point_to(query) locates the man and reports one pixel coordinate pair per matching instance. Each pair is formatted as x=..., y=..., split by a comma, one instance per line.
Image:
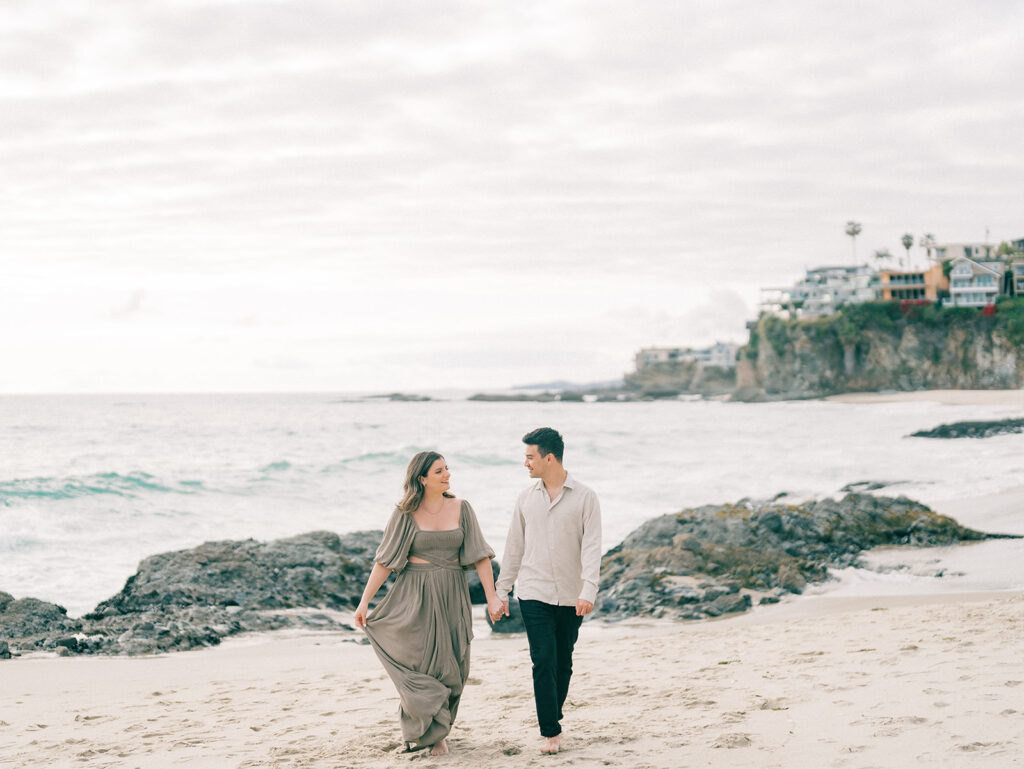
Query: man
x=554, y=549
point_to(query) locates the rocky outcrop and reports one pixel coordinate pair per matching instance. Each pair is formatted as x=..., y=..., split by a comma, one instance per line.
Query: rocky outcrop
x=875, y=346
x=699, y=563
x=318, y=569
x=192, y=598
x=671, y=378
x=718, y=559
x=974, y=429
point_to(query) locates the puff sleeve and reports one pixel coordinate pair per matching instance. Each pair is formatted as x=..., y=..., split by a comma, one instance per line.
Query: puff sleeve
x=474, y=546
x=393, y=552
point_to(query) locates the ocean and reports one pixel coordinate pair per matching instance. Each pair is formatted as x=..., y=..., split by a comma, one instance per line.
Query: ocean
x=91, y=484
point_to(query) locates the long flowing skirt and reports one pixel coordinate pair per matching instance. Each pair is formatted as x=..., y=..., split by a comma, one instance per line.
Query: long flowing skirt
x=421, y=631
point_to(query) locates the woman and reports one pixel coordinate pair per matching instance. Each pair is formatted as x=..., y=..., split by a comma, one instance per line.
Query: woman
x=422, y=627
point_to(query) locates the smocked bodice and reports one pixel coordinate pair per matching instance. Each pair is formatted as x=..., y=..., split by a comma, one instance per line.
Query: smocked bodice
x=437, y=545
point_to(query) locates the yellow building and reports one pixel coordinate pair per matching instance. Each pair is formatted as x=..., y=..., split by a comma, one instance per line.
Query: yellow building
x=897, y=285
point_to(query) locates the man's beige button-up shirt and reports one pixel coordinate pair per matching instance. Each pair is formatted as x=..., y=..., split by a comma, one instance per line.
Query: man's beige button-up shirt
x=553, y=550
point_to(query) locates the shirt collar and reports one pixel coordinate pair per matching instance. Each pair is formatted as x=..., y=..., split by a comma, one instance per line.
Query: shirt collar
x=570, y=482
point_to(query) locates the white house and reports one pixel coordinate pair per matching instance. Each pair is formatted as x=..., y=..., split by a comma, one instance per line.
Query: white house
x=976, y=251
x=1017, y=286
x=974, y=284
x=822, y=291
x=719, y=354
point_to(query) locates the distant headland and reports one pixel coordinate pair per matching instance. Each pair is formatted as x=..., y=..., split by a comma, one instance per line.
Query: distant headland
x=957, y=324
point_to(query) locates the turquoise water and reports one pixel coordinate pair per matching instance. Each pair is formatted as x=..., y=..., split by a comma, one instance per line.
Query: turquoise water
x=89, y=485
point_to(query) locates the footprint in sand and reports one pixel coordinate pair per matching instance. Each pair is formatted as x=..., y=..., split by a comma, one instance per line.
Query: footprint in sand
x=971, y=747
x=732, y=740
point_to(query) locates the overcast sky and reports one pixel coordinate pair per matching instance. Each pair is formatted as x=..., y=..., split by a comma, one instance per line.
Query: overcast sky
x=333, y=195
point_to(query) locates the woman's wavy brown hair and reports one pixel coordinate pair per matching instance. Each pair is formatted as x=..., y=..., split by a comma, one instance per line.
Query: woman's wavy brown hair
x=419, y=466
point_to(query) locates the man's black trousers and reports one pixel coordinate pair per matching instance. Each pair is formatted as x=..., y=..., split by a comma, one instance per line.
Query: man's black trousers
x=552, y=632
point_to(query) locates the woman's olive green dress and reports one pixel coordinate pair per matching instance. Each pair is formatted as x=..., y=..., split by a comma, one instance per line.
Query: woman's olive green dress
x=422, y=627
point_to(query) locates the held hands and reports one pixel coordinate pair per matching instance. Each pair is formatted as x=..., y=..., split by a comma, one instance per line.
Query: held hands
x=583, y=608
x=496, y=609
x=360, y=616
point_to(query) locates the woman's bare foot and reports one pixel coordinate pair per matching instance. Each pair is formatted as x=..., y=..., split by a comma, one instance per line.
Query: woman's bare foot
x=440, y=749
x=551, y=744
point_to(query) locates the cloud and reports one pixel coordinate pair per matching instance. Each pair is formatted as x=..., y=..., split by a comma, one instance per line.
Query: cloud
x=282, y=362
x=375, y=153
x=131, y=308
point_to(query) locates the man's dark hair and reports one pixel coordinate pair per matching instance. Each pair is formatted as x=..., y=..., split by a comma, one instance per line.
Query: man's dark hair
x=547, y=441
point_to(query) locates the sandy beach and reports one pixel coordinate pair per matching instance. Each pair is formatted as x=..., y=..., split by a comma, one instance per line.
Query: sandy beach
x=933, y=680
x=876, y=682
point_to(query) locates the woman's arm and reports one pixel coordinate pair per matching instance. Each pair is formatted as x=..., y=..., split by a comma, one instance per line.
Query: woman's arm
x=494, y=606
x=377, y=577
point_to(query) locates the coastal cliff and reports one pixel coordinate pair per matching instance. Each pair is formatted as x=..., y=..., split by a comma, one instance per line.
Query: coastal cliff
x=879, y=346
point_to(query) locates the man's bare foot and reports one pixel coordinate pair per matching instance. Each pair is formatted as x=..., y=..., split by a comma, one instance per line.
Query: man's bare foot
x=440, y=749
x=551, y=744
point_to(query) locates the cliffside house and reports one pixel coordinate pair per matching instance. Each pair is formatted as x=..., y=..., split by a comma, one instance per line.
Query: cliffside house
x=897, y=285
x=721, y=354
x=974, y=283
x=1017, y=278
x=822, y=291
x=975, y=251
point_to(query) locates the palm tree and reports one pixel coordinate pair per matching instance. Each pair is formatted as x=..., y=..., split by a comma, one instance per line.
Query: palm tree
x=908, y=241
x=853, y=229
x=927, y=242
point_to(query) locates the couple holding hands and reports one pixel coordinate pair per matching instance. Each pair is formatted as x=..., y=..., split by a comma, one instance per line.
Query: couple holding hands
x=422, y=628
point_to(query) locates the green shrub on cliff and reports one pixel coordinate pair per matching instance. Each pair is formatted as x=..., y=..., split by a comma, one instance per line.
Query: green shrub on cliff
x=1010, y=319
x=871, y=315
x=777, y=334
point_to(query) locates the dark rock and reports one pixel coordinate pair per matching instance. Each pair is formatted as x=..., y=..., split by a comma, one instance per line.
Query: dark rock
x=317, y=569
x=859, y=487
x=30, y=616
x=5, y=598
x=194, y=598
x=713, y=592
x=71, y=643
x=402, y=397
x=767, y=547
x=5, y=651
x=984, y=429
x=726, y=604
